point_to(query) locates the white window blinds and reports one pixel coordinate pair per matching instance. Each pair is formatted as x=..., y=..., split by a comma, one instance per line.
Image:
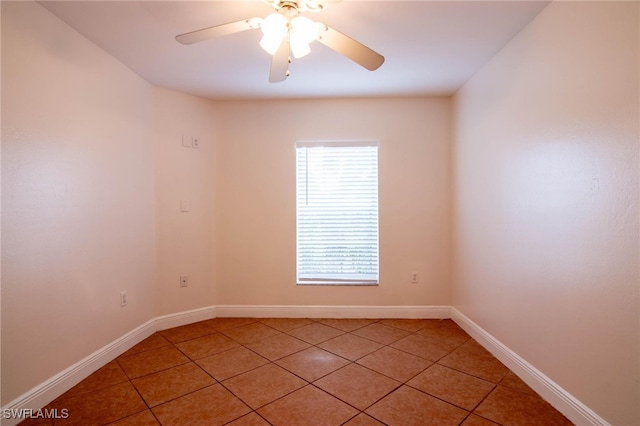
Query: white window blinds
x=337, y=206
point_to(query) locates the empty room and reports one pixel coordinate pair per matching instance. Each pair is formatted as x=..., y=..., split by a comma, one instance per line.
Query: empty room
x=320, y=212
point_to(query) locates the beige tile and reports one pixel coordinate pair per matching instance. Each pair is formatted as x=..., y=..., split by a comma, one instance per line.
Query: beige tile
x=148, y=362
x=425, y=347
x=474, y=420
x=187, y=332
x=410, y=325
x=251, y=419
x=250, y=332
x=206, y=345
x=514, y=382
x=169, y=384
x=285, y=324
x=213, y=405
x=101, y=406
x=315, y=333
x=350, y=346
x=144, y=418
x=347, y=324
x=393, y=363
x=263, y=385
x=227, y=323
x=108, y=375
x=312, y=363
x=381, y=333
x=231, y=363
x=452, y=386
x=471, y=358
x=307, y=406
x=441, y=324
x=443, y=327
x=278, y=346
x=357, y=385
x=154, y=341
x=511, y=407
x=407, y=406
x=363, y=419
x=447, y=332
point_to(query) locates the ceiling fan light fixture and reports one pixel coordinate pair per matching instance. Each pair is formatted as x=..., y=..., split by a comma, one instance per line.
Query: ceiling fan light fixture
x=271, y=44
x=303, y=31
x=299, y=48
x=274, y=29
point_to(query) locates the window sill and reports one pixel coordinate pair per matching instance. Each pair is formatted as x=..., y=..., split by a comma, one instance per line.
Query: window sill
x=338, y=283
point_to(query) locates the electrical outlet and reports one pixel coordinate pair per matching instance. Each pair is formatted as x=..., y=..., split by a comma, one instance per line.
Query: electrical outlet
x=195, y=143
x=184, y=280
x=123, y=299
x=414, y=277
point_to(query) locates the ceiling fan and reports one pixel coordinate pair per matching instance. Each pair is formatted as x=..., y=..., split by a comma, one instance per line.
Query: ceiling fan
x=286, y=32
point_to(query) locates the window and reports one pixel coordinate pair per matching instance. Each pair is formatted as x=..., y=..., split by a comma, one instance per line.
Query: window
x=337, y=206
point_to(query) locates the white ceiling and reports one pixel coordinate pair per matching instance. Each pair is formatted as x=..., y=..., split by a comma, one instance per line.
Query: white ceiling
x=430, y=47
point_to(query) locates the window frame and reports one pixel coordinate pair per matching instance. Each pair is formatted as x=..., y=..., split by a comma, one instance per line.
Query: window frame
x=339, y=281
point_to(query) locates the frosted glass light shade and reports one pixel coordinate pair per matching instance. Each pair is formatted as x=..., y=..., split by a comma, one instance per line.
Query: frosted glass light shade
x=299, y=48
x=274, y=29
x=303, y=29
x=300, y=30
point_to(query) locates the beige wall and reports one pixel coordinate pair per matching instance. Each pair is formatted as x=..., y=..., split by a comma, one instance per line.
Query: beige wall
x=77, y=198
x=184, y=240
x=546, y=201
x=256, y=211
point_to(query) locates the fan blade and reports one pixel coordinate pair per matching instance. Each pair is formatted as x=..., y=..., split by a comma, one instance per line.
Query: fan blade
x=216, y=31
x=280, y=63
x=356, y=51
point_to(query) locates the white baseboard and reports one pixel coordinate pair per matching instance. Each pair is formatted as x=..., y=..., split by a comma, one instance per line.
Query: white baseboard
x=46, y=392
x=297, y=311
x=553, y=393
x=184, y=318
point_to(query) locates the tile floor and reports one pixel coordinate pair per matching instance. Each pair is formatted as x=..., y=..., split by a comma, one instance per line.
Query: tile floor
x=285, y=371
